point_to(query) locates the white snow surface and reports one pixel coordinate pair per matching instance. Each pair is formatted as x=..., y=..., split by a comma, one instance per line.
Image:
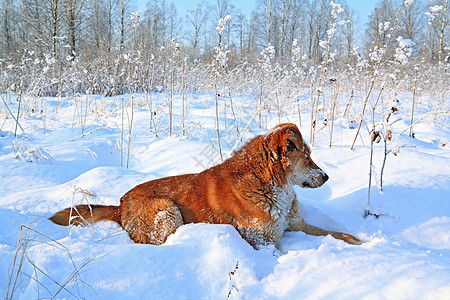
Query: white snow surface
x=406, y=254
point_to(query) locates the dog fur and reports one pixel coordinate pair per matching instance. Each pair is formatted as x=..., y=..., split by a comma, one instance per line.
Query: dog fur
x=252, y=190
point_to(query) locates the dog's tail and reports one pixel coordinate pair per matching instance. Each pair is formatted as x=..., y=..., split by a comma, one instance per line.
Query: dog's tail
x=85, y=214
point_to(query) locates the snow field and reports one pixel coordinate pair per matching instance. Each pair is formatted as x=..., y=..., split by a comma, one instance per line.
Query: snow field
x=59, y=163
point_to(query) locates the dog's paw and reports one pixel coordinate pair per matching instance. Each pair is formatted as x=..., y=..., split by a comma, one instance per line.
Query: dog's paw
x=351, y=239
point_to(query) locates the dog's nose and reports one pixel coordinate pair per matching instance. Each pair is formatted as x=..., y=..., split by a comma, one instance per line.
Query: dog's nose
x=325, y=177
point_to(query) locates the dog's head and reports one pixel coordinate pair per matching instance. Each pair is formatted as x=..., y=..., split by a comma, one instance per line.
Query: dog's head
x=292, y=154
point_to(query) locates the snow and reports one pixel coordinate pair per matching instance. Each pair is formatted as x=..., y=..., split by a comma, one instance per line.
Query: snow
x=57, y=163
x=404, y=50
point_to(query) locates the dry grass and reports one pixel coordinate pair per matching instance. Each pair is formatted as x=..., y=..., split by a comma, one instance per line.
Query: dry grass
x=25, y=268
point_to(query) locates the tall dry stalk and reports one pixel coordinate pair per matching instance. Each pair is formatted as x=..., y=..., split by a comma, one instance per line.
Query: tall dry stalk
x=170, y=105
x=183, y=98
x=130, y=129
x=232, y=111
x=217, y=121
x=121, y=133
x=377, y=71
x=18, y=109
x=11, y=113
x=29, y=237
x=414, y=101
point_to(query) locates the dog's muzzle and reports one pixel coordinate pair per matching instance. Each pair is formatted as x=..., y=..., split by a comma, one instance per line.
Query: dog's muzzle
x=308, y=185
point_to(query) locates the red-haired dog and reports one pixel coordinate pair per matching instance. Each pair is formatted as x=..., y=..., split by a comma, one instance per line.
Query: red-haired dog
x=252, y=190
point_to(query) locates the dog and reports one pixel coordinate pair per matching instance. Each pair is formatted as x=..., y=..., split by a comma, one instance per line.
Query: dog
x=252, y=191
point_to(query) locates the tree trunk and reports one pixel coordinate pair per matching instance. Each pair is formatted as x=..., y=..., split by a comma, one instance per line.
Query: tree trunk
x=54, y=27
x=122, y=24
x=268, y=23
x=71, y=16
x=108, y=45
x=441, y=37
x=7, y=33
x=155, y=25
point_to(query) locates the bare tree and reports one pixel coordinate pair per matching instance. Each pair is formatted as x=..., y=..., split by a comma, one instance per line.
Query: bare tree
x=286, y=12
x=111, y=6
x=73, y=12
x=348, y=30
x=296, y=27
x=240, y=28
x=221, y=9
x=318, y=24
x=55, y=19
x=123, y=8
x=5, y=14
x=173, y=22
x=441, y=32
x=268, y=19
x=413, y=21
x=196, y=18
x=381, y=20
x=33, y=22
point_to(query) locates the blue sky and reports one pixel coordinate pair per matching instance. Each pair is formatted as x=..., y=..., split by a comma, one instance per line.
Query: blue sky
x=363, y=7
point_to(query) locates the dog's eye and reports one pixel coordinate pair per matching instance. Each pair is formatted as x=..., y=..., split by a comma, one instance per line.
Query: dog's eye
x=290, y=146
x=307, y=156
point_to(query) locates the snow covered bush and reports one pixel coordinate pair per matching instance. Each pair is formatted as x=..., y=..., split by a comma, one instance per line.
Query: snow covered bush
x=31, y=154
x=404, y=50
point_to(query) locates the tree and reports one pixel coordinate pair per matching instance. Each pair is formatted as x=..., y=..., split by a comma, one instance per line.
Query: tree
x=296, y=28
x=413, y=21
x=123, y=10
x=111, y=6
x=267, y=19
x=196, y=18
x=240, y=27
x=5, y=14
x=221, y=9
x=286, y=12
x=439, y=10
x=348, y=30
x=41, y=26
x=173, y=23
x=318, y=23
x=378, y=31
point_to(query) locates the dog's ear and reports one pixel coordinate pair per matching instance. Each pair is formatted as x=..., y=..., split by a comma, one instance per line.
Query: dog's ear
x=284, y=139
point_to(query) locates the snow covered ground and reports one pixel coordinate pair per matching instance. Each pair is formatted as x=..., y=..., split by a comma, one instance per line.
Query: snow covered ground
x=70, y=154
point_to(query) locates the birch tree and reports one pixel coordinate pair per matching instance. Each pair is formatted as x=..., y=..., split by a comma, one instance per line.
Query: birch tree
x=196, y=19
x=5, y=14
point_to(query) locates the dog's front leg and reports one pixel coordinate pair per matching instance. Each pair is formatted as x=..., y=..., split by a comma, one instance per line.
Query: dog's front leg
x=313, y=230
x=297, y=223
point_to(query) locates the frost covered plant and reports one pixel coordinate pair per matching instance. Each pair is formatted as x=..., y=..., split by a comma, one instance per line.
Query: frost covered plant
x=268, y=54
x=267, y=76
x=221, y=27
x=436, y=9
x=296, y=54
x=221, y=64
x=378, y=56
x=327, y=57
x=221, y=52
x=135, y=18
x=297, y=73
x=437, y=22
x=336, y=10
x=404, y=50
x=221, y=56
x=30, y=154
x=222, y=23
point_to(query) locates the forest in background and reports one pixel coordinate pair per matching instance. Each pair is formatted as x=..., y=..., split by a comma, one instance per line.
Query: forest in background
x=53, y=47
